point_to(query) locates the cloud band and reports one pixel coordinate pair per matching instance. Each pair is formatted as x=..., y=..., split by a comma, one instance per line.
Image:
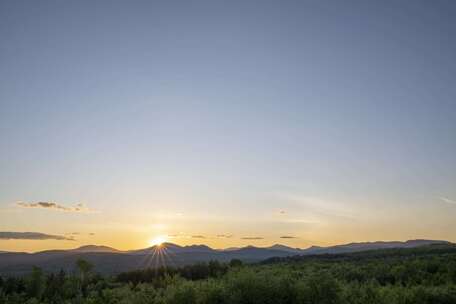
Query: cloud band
x=54, y=206
x=9, y=235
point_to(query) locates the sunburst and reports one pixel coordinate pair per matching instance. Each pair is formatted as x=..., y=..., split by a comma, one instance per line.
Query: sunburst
x=159, y=256
x=158, y=240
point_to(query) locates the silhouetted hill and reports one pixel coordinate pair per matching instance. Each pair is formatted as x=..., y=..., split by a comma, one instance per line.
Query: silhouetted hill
x=171, y=248
x=95, y=248
x=109, y=260
x=373, y=254
x=286, y=248
x=363, y=246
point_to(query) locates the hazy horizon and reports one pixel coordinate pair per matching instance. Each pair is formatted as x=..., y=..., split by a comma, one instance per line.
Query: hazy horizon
x=227, y=124
x=169, y=242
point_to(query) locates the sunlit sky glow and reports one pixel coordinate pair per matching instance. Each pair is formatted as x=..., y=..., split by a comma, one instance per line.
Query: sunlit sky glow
x=226, y=123
x=158, y=240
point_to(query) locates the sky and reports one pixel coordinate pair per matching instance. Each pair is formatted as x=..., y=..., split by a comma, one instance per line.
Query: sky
x=226, y=123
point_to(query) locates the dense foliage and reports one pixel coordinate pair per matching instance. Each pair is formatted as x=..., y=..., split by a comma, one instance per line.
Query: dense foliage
x=415, y=276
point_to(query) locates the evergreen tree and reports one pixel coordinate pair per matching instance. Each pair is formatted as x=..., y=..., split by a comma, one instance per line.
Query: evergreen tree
x=36, y=284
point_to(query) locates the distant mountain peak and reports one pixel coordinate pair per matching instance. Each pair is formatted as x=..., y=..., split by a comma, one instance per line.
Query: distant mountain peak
x=168, y=245
x=173, y=248
x=281, y=246
x=363, y=246
x=284, y=248
x=230, y=249
x=427, y=241
x=105, y=257
x=202, y=247
x=314, y=247
x=94, y=248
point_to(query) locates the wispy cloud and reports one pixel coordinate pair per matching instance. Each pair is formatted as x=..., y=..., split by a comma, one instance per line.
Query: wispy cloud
x=252, y=238
x=54, y=206
x=225, y=236
x=288, y=237
x=447, y=200
x=80, y=233
x=9, y=235
x=198, y=237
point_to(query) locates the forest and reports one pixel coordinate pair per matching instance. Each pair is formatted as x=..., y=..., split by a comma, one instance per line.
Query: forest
x=390, y=276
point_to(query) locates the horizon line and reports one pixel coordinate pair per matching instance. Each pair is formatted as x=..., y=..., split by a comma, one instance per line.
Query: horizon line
x=231, y=247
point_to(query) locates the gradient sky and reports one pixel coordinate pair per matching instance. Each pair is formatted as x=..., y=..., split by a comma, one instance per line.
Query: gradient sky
x=227, y=122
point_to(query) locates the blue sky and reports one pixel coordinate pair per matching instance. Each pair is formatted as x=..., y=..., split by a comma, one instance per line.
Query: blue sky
x=264, y=118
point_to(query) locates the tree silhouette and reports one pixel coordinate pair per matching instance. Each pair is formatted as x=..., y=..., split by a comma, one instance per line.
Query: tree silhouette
x=84, y=268
x=235, y=263
x=36, y=284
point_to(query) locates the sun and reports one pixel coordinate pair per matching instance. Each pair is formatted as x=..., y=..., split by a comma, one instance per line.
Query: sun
x=158, y=241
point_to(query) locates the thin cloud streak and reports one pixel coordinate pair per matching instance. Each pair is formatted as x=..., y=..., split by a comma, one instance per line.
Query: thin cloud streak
x=288, y=237
x=225, y=236
x=10, y=235
x=54, y=206
x=448, y=201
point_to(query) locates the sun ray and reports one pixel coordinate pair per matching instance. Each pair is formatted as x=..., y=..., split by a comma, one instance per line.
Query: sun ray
x=158, y=240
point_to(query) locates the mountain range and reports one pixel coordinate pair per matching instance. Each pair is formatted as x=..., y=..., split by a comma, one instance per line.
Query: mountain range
x=109, y=260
